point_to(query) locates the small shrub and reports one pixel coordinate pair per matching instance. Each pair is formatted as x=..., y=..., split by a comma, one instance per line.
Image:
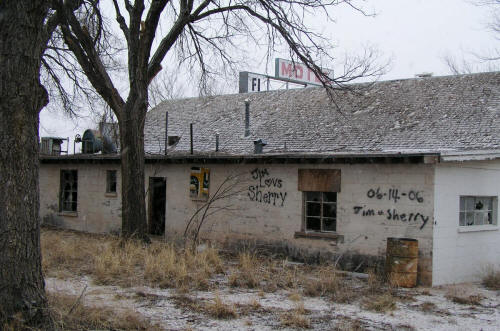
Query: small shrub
x=327, y=282
x=381, y=303
x=492, y=279
x=294, y=296
x=463, y=296
x=472, y=300
x=427, y=306
x=247, y=273
x=70, y=314
x=220, y=310
x=296, y=318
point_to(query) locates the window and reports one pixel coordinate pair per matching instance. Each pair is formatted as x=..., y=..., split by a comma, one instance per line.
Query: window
x=475, y=210
x=320, y=211
x=110, y=181
x=69, y=191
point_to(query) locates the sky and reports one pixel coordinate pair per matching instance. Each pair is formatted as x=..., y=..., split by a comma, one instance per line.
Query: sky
x=415, y=35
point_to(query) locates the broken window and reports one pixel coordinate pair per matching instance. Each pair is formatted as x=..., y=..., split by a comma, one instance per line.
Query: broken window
x=477, y=210
x=199, y=183
x=320, y=211
x=68, y=191
x=110, y=181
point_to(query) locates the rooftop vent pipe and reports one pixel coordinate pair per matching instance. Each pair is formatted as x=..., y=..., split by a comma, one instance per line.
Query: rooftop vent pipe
x=424, y=75
x=247, y=117
x=259, y=146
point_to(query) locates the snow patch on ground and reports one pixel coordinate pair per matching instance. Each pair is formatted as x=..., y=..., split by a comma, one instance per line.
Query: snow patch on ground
x=162, y=307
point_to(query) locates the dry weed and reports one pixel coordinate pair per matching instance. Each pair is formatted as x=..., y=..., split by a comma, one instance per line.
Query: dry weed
x=427, y=306
x=294, y=296
x=66, y=252
x=70, y=314
x=463, y=296
x=296, y=318
x=247, y=274
x=118, y=262
x=255, y=304
x=491, y=279
x=326, y=282
x=128, y=262
x=380, y=303
x=220, y=310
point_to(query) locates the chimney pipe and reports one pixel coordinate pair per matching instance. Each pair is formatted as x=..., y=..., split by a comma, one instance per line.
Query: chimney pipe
x=166, y=132
x=247, y=117
x=216, y=142
x=259, y=146
x=191, y=136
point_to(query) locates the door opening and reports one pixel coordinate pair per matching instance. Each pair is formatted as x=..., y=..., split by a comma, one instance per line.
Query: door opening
x=157, y=205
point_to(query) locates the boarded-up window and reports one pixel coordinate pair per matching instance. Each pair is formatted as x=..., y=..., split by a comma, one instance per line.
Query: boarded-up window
x=319, y=180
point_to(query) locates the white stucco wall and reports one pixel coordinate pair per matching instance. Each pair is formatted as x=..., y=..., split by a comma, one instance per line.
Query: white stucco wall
x=364, y=229
x=97, y=211
x=277, y=224
x=463, y=256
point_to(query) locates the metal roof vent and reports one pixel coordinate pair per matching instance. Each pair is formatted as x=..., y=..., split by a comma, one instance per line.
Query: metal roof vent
x=247, y=117
x=259, y=146
x=424, y=75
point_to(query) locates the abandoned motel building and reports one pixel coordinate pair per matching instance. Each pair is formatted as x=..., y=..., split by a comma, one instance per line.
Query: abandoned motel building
x=415, y=158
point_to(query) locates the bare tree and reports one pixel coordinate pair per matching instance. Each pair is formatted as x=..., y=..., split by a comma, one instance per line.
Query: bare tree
x=165, y=86
x=25, y=27
x=230, y=187
x=201, y=33
x=479, y=61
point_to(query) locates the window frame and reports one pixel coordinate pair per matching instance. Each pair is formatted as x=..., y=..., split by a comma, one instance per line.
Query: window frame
x=321, y=217
x=108, y=182
x=73, y=191
x=464, y=211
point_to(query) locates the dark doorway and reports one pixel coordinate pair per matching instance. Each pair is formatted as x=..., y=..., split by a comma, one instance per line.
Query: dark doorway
x=157, y=204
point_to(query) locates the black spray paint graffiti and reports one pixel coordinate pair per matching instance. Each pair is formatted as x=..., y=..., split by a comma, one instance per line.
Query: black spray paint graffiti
x=393, y=215
x=395, y=195
x=262, y=191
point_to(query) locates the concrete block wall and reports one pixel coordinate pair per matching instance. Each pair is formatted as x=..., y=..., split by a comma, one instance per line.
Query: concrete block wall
x=463, y=254
x=365, y=213
x=97, y=211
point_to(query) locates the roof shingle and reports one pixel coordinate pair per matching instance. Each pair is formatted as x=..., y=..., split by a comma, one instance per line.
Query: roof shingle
x=436, y=114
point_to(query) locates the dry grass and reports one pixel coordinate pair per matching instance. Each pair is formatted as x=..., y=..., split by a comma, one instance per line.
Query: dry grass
x=296, y=318
x=294, y=296
x=491, y=279
x=70, y=314
x=220, y=310
x=380, y=303
x=428, y=306
x=113, y=261
x=325, y=282
x=69, y=253
x=472, y=300
x=248, y=273
x=463, y=296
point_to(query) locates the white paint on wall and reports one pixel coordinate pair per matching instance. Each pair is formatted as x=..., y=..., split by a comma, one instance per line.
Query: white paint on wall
x=462, y=255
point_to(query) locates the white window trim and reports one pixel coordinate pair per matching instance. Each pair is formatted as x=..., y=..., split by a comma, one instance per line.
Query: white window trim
x=481, y=227
x=477, y=228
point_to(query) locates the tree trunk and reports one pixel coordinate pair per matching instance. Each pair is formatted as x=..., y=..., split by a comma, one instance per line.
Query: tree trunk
x=132, y=165
x=22, y=289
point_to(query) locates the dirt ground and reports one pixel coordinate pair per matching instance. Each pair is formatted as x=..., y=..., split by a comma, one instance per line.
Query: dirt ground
x=231, y=299
x=417, y=309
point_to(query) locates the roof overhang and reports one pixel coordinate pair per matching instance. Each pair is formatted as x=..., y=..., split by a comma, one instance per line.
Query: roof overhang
x=477, y=155
x=290, y=158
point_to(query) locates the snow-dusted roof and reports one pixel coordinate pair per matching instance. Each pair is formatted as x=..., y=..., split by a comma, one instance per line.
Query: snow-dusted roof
x=434, y=115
